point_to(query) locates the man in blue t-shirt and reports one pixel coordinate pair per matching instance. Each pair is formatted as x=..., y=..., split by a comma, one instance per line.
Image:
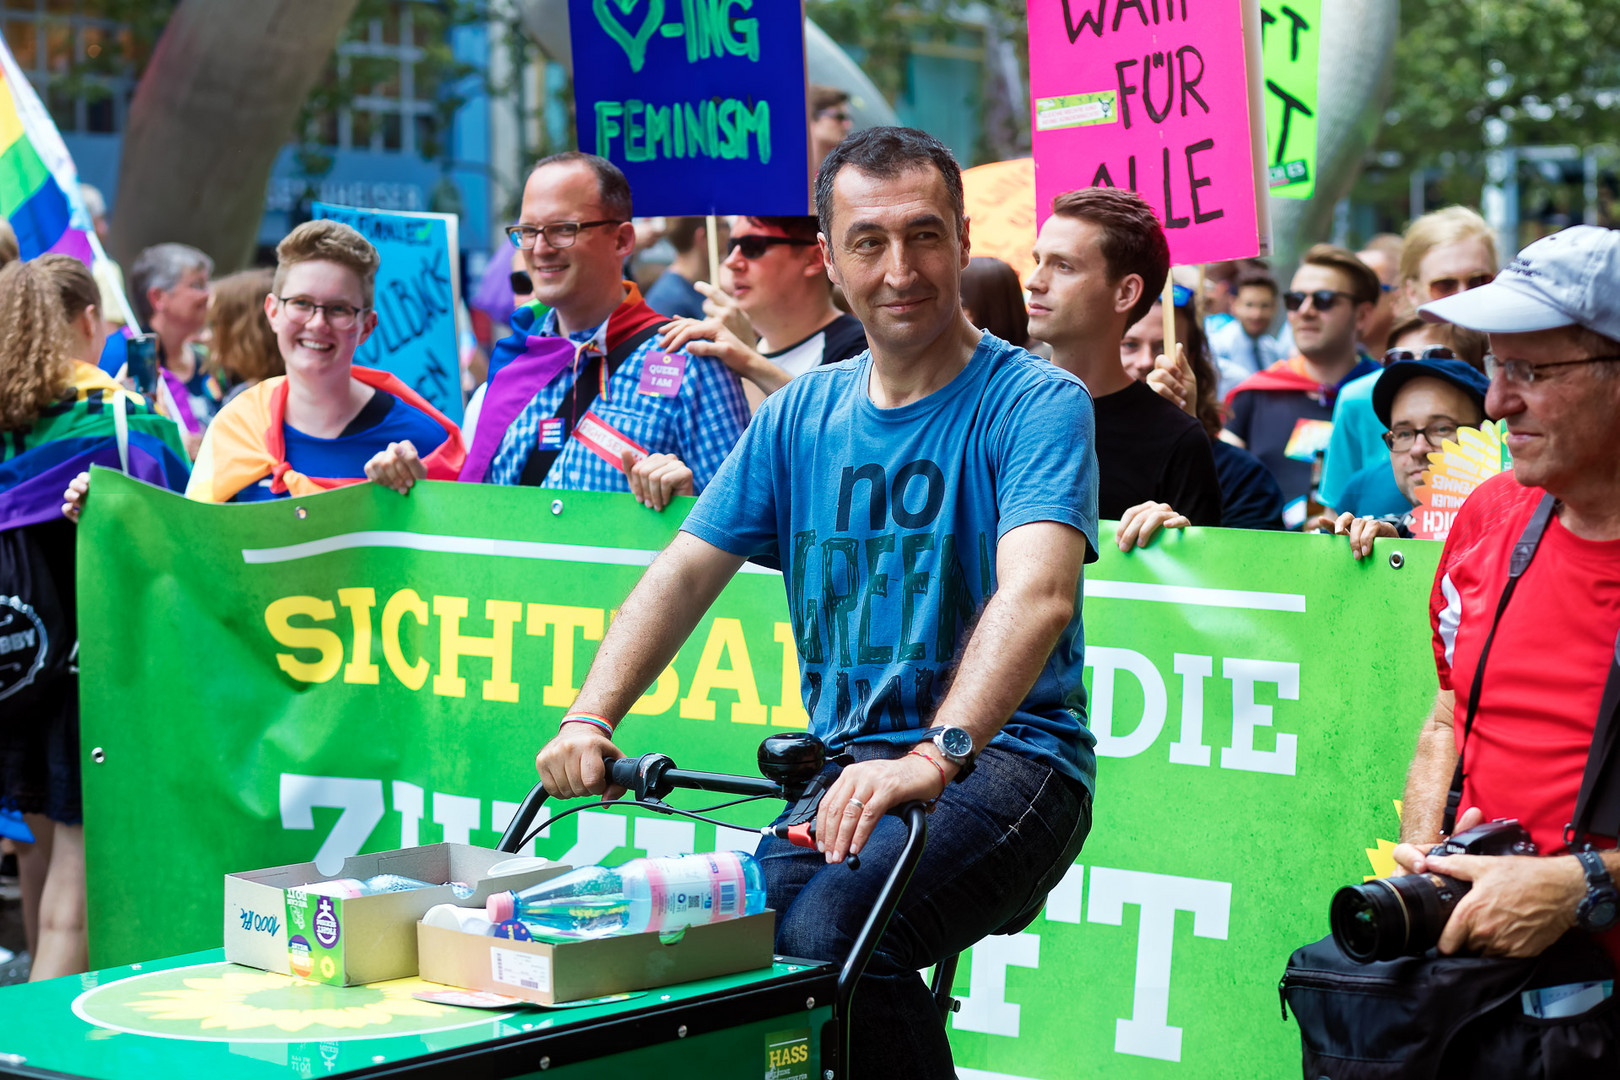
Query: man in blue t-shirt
x=931, y=504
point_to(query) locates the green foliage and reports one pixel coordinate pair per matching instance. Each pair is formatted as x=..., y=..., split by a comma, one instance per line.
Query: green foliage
x=1530, y=72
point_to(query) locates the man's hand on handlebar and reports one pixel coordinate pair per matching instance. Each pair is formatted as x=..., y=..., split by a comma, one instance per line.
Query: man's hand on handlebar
x=574, y=764
x=864, y=792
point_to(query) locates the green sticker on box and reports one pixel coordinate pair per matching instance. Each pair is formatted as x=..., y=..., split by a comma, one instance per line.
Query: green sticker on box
x=787, y=1055
x=1076, y=110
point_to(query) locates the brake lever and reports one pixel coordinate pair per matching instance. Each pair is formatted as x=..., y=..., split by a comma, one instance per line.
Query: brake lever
x=804, y=835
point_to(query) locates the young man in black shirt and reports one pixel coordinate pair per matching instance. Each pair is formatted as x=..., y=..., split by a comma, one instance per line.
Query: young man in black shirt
x=1101, y=261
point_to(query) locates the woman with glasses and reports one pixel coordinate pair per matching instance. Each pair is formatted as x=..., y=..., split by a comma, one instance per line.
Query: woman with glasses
x=1446, y=252
x=326, y=423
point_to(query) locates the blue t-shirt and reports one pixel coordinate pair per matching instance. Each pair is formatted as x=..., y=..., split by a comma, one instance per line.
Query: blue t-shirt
x=1357, y=441
x=1372, y=493
x=885, y=523
x=384, y=420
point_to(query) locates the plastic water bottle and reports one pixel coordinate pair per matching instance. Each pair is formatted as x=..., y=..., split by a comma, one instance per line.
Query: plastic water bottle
x=641, y=895
x=349, y=888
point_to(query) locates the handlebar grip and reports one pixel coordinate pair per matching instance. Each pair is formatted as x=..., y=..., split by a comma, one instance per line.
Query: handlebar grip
x=622, y=772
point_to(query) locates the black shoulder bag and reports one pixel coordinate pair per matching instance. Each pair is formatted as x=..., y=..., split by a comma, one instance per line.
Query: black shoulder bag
x=1434, y=1016
x=579, y=399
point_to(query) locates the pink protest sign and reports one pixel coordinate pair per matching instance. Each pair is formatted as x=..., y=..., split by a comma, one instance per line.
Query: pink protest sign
x=1161, y=97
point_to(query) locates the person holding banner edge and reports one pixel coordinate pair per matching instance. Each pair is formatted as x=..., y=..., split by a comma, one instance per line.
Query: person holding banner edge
x=579, y=396
x=994, y=497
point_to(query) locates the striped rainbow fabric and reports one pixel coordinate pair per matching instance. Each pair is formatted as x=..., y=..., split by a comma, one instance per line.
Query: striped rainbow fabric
x=39, y=188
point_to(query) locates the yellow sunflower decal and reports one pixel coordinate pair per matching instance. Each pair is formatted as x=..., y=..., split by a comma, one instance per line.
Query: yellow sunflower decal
x=1382, y=857
x=227, y=1002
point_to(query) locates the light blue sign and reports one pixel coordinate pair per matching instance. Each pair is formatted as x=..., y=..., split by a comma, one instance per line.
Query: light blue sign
x=418, y=285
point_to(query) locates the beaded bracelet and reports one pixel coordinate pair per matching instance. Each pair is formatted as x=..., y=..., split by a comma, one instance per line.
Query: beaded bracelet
x=589, y=718
x=943, y=783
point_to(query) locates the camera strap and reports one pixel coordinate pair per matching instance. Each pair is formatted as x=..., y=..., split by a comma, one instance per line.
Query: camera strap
x=1523, y=551
x=1599, y=798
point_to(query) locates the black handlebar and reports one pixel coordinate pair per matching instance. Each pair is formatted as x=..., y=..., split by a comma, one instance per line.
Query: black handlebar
x=652, y=776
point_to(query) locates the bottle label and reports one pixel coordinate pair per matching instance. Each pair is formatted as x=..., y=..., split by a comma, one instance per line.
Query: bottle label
x=694, y=890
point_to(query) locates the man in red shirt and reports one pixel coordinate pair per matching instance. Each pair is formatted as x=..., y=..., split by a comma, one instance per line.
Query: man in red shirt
x=1554, y=322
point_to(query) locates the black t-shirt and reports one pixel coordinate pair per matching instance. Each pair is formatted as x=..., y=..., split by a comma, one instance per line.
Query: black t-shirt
x=840, y=339
x=1266, y=420
x=1150, y=451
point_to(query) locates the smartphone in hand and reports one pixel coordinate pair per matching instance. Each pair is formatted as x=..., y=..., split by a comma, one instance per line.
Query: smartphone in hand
x=142, y=363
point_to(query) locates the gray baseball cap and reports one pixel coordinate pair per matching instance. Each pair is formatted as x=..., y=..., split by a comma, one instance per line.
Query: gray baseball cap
x=1569, y=278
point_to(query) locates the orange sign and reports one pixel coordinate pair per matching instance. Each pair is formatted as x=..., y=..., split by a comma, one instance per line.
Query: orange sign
x=1001, y=206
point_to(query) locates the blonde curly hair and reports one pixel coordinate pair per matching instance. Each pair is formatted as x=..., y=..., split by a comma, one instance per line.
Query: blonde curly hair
x=34, y=350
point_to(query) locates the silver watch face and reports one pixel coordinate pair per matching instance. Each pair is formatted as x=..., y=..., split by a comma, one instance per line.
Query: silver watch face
x=956, y=743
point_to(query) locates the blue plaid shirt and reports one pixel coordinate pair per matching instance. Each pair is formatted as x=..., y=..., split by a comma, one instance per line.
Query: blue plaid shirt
x=699, y=425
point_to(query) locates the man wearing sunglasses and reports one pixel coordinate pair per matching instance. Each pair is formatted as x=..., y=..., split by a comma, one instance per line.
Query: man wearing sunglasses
x=580, y=396
x=776, y=287
x=1553, y=316
x=830, y=121
x=1284, y=414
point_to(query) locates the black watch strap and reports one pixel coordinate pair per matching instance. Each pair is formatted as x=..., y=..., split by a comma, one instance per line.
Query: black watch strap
x=1599, y=909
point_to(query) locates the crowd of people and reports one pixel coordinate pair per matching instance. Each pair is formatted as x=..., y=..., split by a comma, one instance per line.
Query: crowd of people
x=1324, y=421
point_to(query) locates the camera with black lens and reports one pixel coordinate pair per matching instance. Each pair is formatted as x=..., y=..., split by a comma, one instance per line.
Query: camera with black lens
x=1404, y=916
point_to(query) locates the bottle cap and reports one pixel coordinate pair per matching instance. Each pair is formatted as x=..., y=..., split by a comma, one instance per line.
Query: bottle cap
x=499, y=907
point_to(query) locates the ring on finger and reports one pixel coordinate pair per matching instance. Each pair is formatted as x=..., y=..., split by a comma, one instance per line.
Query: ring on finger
x=856, y=804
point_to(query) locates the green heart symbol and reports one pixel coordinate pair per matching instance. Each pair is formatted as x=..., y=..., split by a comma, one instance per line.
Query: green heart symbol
x=635, y=46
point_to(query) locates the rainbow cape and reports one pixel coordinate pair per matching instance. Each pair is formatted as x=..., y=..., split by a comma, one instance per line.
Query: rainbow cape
x=72, y=435
x=1287, y=375
x=246, y=443
x=523, y=363
x=39, y=186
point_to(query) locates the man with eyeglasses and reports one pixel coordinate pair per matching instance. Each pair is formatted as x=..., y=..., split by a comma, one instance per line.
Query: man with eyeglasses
x=1284, y=414
x=580, y=396
x=776, y=287
x=1525, y=673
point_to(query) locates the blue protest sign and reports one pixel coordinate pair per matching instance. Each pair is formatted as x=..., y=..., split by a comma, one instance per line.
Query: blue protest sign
x=418, y=286
x=700, y=102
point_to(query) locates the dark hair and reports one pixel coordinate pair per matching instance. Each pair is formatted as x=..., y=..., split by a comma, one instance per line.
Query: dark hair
x=682, y=233
x=991, y=290
x=885, y=153
x=614, y=189
x=797, y=226
x=1364, y=284
x=1256, y=279
x=1133, y=241
x=825, y=97
x=1204, y=373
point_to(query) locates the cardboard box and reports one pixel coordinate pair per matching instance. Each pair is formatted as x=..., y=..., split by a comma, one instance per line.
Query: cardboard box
x=549, y=972
x=272, y=924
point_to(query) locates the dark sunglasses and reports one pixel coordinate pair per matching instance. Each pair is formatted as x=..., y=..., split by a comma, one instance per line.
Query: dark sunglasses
x=1429, y=352
x=755, y=247
x=1323, y=299
x=1440, y=288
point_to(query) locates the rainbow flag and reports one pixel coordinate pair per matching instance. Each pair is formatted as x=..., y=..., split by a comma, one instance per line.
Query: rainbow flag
x=39, y=186
x=75, y=433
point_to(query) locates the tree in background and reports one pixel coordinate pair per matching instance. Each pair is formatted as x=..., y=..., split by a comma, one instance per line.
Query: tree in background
x=1474, y=74
x=881, y=35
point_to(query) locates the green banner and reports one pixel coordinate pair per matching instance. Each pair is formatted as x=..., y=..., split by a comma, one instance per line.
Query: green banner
x=358, y=671
x=1291, y=35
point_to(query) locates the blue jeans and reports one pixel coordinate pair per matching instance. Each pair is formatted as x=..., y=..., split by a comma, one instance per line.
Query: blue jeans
x=997, y=842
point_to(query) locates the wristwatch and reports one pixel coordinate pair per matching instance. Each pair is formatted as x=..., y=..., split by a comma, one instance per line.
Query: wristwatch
x=1600, y=907
x=956, y=746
